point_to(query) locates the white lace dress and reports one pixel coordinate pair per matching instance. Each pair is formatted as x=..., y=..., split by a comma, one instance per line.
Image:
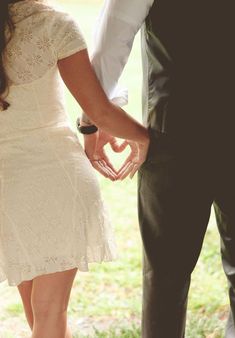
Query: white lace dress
x=52, y=217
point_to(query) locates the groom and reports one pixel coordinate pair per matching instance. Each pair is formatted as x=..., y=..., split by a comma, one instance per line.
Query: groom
x=189, y=107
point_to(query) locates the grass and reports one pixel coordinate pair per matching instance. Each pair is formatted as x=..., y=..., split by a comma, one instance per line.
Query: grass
x=106, y=302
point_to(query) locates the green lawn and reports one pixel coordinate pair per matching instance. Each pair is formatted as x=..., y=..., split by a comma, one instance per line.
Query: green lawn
x=107, y=300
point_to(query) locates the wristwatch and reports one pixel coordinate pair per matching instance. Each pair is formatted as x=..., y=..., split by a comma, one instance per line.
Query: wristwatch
x=87, y=130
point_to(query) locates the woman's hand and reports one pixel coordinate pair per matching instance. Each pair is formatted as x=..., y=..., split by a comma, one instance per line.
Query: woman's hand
x=136, y=158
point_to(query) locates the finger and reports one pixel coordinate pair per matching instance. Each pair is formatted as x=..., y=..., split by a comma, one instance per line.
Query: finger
x=133, y=157
x=127, y=172
x=134, y=170
x=123, y=168
x=131, y=170
x=109, y=164
x=101, y=170
x=128, y=160
x=116, y=147
x=123, y=146
x=108, y=169
x=98, y=158
x=104, y=165
x=101, y=155
x=128, y=169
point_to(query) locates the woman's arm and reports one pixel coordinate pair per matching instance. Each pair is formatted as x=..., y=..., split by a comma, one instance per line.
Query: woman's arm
x=78, y=75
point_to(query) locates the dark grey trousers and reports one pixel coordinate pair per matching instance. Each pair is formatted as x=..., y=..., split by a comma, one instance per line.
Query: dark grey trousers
x=175, y=198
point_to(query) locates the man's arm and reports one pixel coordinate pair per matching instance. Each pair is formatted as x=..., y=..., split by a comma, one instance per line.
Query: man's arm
x=117, y=25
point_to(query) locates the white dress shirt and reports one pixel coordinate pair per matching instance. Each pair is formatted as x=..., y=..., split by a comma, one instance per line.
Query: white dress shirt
x=117, y=25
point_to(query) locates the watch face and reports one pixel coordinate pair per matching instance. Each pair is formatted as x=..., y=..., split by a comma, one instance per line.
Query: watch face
x=87, y=129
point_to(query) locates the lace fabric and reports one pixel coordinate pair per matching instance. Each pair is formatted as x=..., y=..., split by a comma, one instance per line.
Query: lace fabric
x=43, y=35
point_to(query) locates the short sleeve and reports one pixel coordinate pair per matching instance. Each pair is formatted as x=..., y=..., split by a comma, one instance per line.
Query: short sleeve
x=66, y=35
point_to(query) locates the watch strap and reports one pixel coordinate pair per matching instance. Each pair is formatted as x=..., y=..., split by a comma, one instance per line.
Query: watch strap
x=87, y=130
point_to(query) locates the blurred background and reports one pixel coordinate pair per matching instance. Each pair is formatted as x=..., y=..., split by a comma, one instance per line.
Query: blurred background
x=106, y=302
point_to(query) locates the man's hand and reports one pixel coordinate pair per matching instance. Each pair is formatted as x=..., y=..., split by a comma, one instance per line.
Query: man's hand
x=136, y=158
x=94, y=147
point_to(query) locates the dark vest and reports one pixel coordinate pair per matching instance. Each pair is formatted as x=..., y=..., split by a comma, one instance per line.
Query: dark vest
x=189, y=68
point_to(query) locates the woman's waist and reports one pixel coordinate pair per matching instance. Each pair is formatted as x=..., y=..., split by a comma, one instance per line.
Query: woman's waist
x=15, y=124
x=39, y=141
x=49, y=147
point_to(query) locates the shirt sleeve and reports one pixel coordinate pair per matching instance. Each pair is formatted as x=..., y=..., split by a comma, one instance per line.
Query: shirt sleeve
x=67, y=36
x=117, y=25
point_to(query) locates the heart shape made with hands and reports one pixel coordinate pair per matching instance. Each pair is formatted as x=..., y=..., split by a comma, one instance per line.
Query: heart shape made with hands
x=119, y=157
x=109, y=157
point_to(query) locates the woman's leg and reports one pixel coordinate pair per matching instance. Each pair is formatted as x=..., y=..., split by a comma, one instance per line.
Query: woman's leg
x=49, y=299
x=25, y=290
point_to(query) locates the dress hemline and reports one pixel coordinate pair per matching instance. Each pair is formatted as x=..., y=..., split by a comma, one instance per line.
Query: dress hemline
x=57, y=265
